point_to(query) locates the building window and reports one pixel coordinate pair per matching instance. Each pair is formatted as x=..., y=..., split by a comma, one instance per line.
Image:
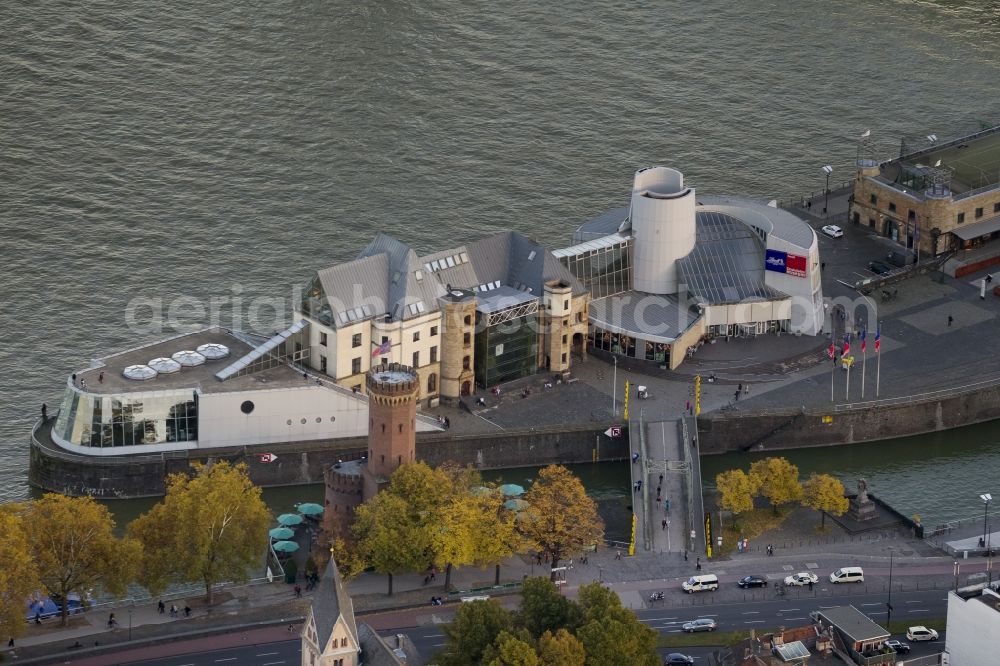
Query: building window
x=416, y=336
x=979, y=213
x=385, y=339
x=416, y=359
x=911, y=215
x=961, y=218
x=874, y=199
x=564, y=357
x=466, y=339
x=996, y=207
x=322, y=339
x=468, y=320
x=356, y=340
x=871, y=222
x=356, y=365
x=434, y=354
x=892, y=207
x=565, y=305
x=565, y=339
x=434, y=331
x=400, y=427
x=465, y=363
x=322, y=363
x=356, y=388
x=432, y=383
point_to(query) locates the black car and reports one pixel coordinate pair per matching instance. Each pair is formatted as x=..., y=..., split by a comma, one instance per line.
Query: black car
x=899, y=646
x=676, y=659
x=752, y=581
x=879, y=268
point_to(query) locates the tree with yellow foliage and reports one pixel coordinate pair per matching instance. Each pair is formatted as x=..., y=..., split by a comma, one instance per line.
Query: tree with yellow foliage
x=735, y=491
x=561, y=649
x=18, y=575
x=388, y=537
x=777, y=480
x=75, y=550
x=559, y=519
x=210, y=528
x=825, y=494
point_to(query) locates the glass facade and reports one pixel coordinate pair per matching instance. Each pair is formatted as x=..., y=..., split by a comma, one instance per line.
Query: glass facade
x=506, y=351
x=627, y=345
x=605, y=271
x=314, y=303
x=87, y=419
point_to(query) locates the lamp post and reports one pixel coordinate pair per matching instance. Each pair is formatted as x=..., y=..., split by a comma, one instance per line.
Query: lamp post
x=130, y=624
x=888, y=602
x=987, y=498
x=614, y=387
x=826, y=201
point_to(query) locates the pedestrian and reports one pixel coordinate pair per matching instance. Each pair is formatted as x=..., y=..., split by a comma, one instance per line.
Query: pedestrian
x=160, y=606
x=697, y=565
x=100, y=378
x=639, y=484
x=737, y=395
x=585, y=559
x=822, y=265
x=111, y=621
x=45, y=412
x=739, y=389
x=685, y=556
x=657, y=491
x=187, y=611
x=746, y=390
x=739, y=545
x=663, y=523
x=666, y=505
x=298, y=591
x=635, y=457
x=173, y=610
x=809, y=205
x=746, y=545
x=950, y=319
x=810, y=585
x=38, y=617
x=291, y=628
x=10, y=643
x=618, y=555
x=434, y=573
x=687, y=406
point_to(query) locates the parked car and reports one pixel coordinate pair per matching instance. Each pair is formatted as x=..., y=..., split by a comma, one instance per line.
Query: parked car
x=706, y=583
x=898, y=646
x=801, y=578
x=701, y=624
x=921, y=633
x=752, y=581
x=676, y=658
x=833, y=231
x=848, y=575
x=879, y=268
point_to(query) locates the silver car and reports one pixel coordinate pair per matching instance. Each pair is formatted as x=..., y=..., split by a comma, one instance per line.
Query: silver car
x=701, y=624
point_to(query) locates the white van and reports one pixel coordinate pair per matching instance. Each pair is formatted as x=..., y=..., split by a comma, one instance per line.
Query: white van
x=706, y=583
x=848, y=575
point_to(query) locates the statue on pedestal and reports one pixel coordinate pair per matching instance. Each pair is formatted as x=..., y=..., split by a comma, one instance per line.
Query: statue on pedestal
x=861, y=506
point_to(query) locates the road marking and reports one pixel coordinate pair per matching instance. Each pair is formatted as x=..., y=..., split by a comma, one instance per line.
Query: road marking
x=754, y=622
x=434, y=636
x=226, y=659
x=916, y=602
x=752, y=613
x=267, y=654
x=870, y=604
x=787, y=610
x=919, y=610
x=272, y=663
x=439, y=644
x=657, y=619
x=826, y=607
x=794, y=618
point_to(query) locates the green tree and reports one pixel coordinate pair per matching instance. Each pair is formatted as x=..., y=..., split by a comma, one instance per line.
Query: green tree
x=475, y=627
x=777, y=480
x=561, y=649
x=825, y=494
x=494, y=532
x=74, y=547
x=18, y=575
x=544, y=609
x=389, y=539
x=735, y=491
x=211, y=527
x=511, y=650
x=560, y=519
x=612, y=634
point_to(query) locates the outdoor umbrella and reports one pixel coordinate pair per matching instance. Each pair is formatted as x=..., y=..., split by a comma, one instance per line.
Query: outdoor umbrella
x=479, y=491
x=515, y=504
x=285, y=546
x=289, y=519
x=281, y=533
x=511, y=489
x=310, y=509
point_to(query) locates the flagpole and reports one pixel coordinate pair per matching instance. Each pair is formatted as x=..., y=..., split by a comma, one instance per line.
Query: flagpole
x=847, y=388
x=878, y=369
x=864, y=363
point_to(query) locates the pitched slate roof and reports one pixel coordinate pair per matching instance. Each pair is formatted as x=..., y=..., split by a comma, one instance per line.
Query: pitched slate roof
x=388, y=277
x=378, y=651
x=331, y=601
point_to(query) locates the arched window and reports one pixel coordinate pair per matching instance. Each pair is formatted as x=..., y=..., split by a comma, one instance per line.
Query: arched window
x=432, y=382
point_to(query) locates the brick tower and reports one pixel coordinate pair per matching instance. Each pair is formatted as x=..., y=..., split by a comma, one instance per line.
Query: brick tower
x=392, y=423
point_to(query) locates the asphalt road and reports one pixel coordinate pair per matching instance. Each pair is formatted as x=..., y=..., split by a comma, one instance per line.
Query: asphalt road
x=284, y=653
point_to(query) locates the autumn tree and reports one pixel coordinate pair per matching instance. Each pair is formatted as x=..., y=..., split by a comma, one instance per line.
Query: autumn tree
x=611, y=633
x=18, y=575
x=211, y=527
x=511, y=649
x=561, y=649
x=735, y=491
x=777, y=480
x=474, y=629
x=492, y=530
x=560, y=519
x=75, y=550
x=388, y=538
x=825, y=494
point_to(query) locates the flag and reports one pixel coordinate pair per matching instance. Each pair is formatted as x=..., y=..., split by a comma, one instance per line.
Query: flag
x=878, y=338
x=847, y=345
x=867, y=134
x=862, y=336
x=382, y=349
x=832, y=351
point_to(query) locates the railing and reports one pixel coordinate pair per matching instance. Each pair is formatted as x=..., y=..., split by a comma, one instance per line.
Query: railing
x=919, y=397
x=976, y=192
x=926, y=660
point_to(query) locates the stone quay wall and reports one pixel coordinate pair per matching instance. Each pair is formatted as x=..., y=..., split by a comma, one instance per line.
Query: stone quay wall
x=302, y=463
x=721, y=432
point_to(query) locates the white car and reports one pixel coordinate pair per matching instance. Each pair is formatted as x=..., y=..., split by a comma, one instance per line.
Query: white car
x=921, y=634
x=833, y=231
x=801, y=578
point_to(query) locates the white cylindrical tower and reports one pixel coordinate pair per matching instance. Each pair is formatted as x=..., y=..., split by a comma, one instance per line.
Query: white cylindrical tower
x=663, y=227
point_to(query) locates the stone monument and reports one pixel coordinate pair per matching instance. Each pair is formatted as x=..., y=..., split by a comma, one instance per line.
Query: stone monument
x=862, y=507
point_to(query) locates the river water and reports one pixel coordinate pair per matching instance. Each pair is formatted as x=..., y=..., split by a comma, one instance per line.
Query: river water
x=199, y=151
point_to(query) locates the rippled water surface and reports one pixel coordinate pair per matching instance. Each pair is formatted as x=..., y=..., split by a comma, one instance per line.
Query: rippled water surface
x=216, y=149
